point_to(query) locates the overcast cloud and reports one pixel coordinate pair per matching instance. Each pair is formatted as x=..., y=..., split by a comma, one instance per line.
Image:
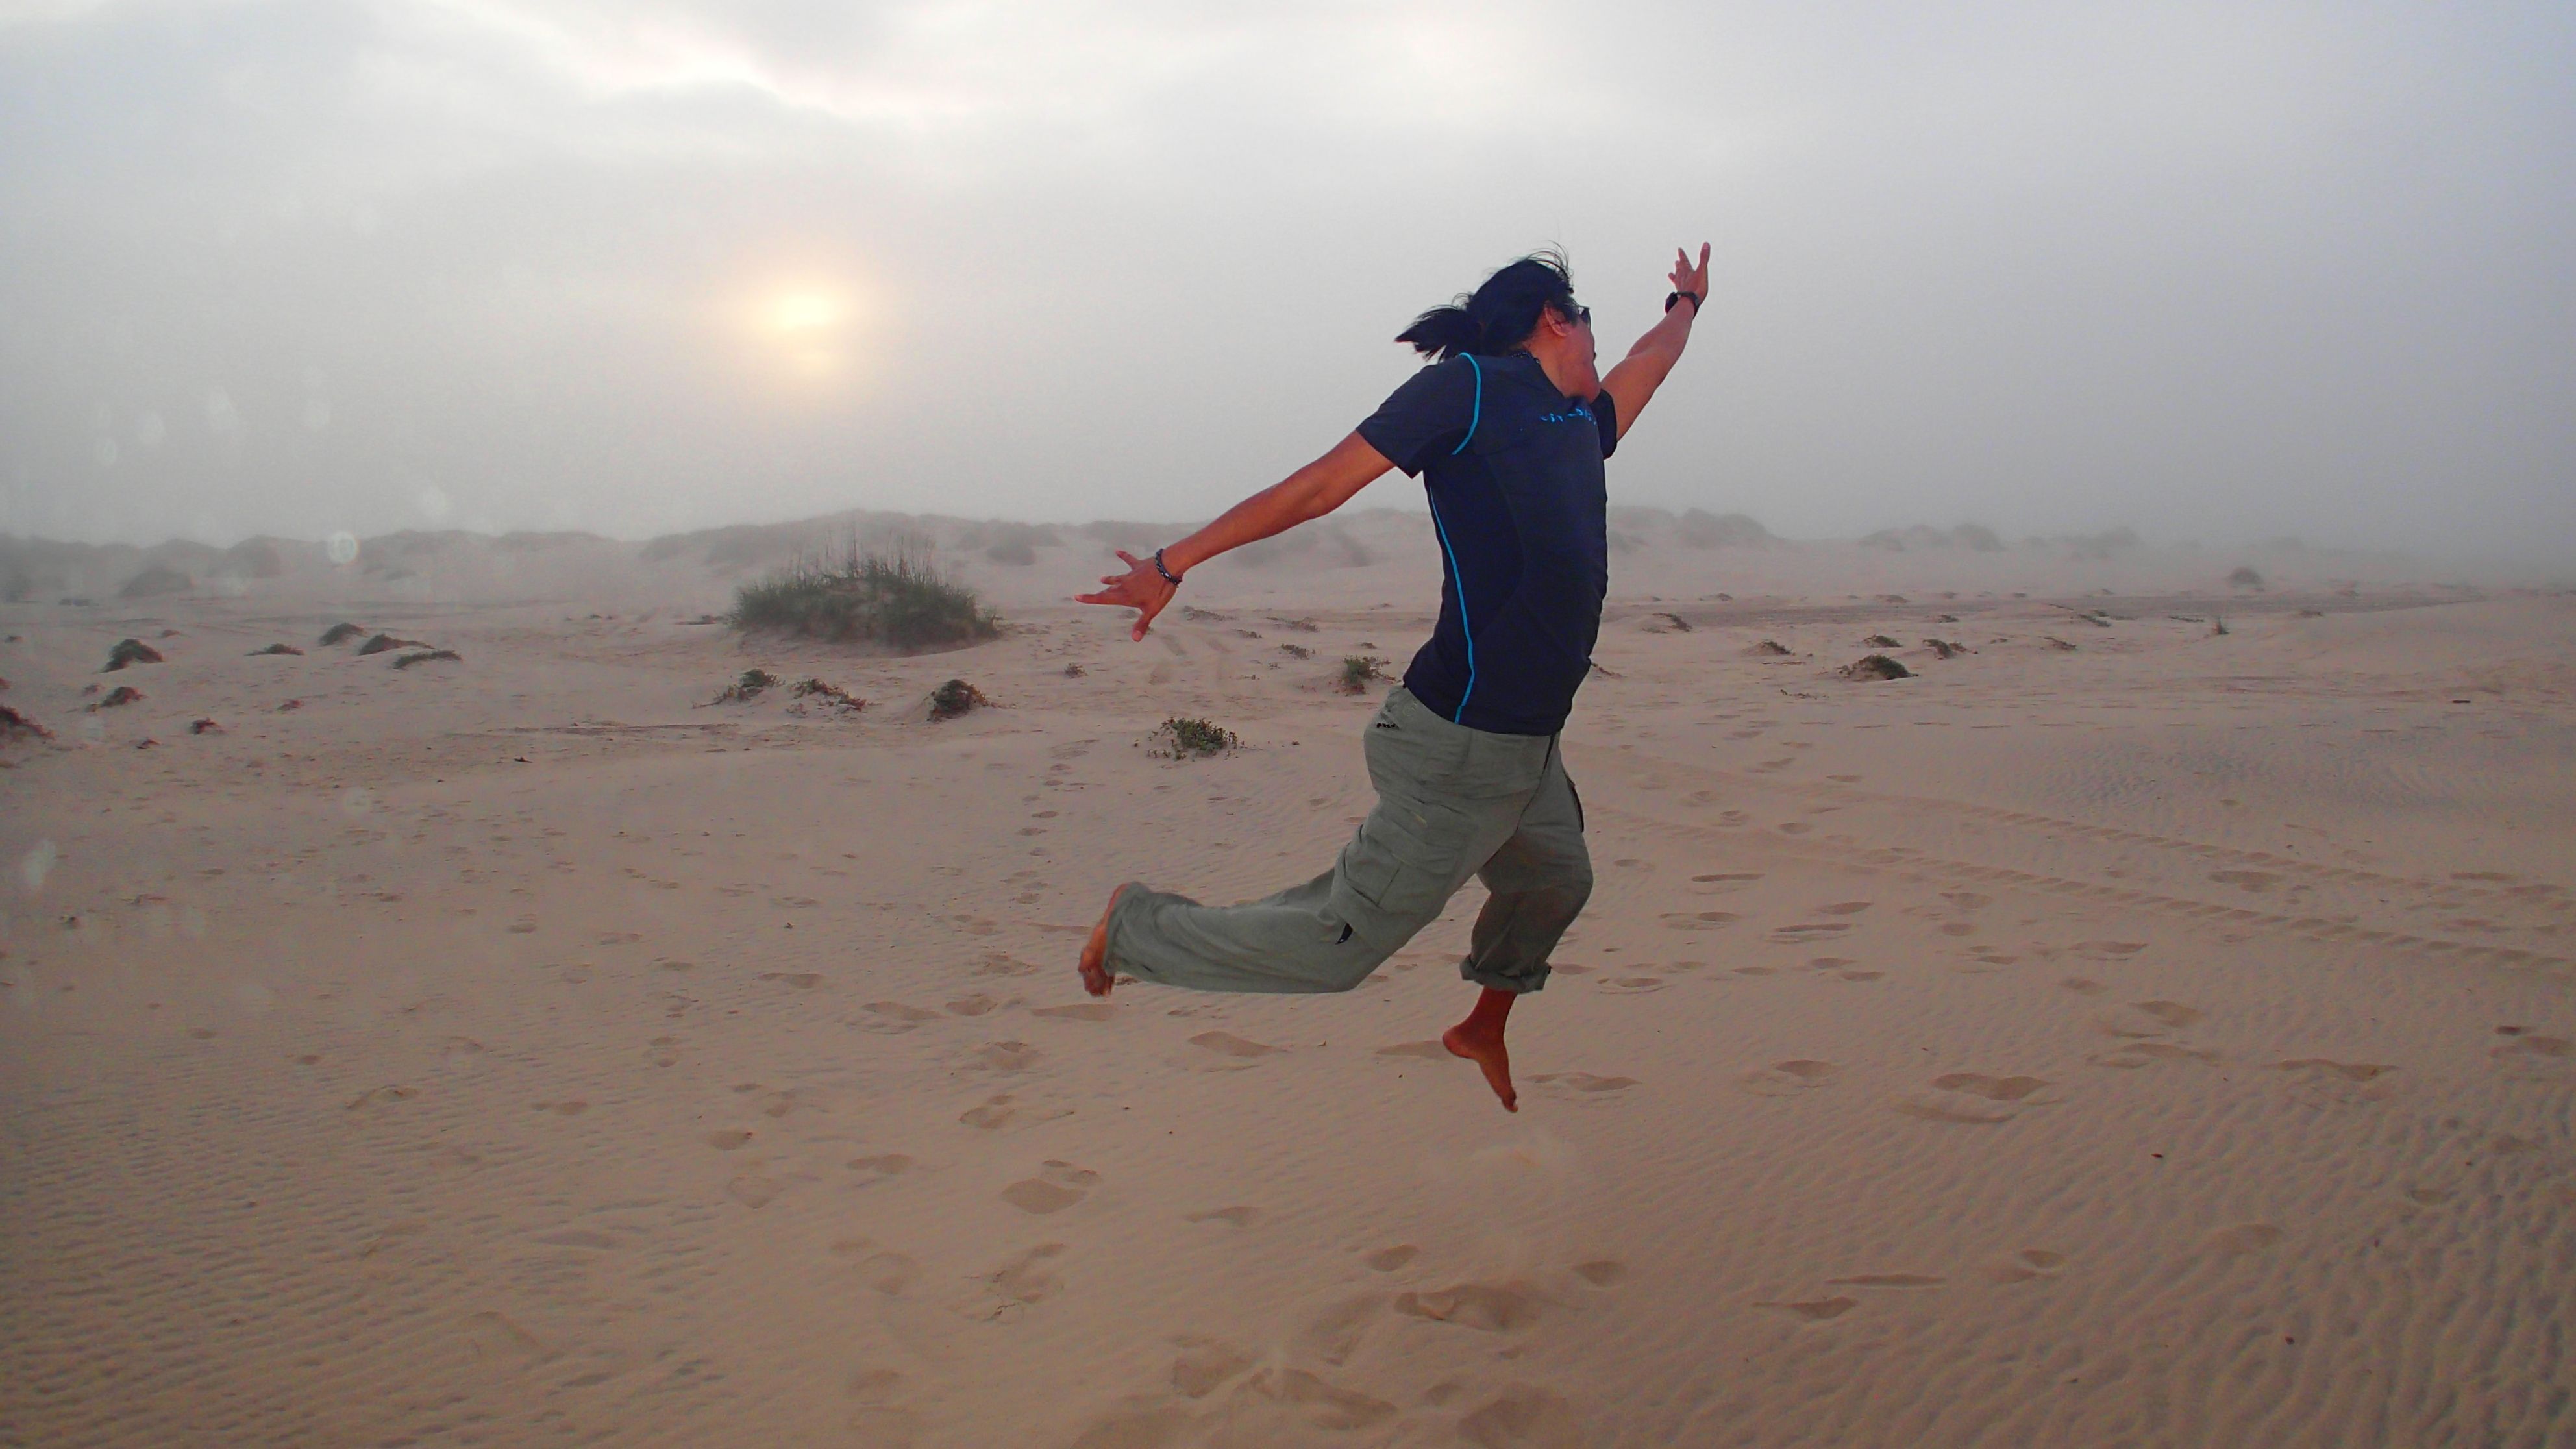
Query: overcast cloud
x=2217, y=271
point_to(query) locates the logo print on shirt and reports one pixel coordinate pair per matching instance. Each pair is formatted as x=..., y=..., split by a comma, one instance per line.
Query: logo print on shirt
x=1577, y=412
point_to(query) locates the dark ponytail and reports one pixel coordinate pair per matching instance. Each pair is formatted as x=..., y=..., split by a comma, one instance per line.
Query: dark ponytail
x=1499, y=315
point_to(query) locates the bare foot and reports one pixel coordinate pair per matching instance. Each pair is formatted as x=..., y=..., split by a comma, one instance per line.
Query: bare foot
x=1095, y=952
x=1480, y=1040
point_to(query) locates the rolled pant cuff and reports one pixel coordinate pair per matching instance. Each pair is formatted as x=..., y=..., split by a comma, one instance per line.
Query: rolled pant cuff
x=1522, y=982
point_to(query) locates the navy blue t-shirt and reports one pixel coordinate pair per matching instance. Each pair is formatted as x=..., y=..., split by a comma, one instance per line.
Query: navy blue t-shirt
x=1513, y=468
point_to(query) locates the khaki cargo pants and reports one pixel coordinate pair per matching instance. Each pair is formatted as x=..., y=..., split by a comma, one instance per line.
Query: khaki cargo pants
x=1451, y=802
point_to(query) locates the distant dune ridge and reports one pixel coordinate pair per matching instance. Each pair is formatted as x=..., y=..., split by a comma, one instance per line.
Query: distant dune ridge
x=1364, y=552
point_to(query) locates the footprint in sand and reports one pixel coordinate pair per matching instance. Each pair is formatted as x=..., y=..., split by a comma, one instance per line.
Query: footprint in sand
x=1780, y=1079
x=2536, y=1058
x=1486, y=1307
x=882, y=1269
x=976, y=1005
x=1728, y=880
x=1633, y=985
x=1805, y=933
x=801, y=980
x=2147, y=1018
x=894, y=1017
x=662, y=1051
x=1225, y=1052
x=1428, y=1050
x=2148, y=1053
x=2108, y=951
x=1333, y=1333
x=1699, y=920
x=1058, y=1185
x=1233, y=1217
x=1970, y=1099
x=876, y=1169
x=1583, y=1082
x=990, y=1113
x=1089, y=1011
x=2322, y=1083
x=1602, y=1272
x=2429, y=1196
x=1204, y=1365
x=1006, y=1056
x=753, y=1190
x=1888, y=1280
x=1844, y=908
x=2082, y=985
x=1029, y=1277
x=1813, y=1310
x=1387, y=1260
x=1525, y=1416
x=727, y=1139
x=2026, y=1265
x=617, y=938
x=2256, y=881
x=2242, y=1239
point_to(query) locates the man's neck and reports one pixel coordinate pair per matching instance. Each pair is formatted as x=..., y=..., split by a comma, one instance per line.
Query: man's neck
x=1561, y=368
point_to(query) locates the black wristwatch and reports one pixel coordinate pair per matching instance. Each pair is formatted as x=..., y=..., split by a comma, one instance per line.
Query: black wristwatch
x=1169, y=577
x=1673, y=298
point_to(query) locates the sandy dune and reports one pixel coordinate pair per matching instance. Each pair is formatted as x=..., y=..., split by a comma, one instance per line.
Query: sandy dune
x=2163, y=1040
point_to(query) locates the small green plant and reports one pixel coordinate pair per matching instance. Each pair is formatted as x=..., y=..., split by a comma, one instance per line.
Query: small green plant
x=747, y=688
x=1358, y=670
x=1186, y=739
x=955, y=698
x=899, y=598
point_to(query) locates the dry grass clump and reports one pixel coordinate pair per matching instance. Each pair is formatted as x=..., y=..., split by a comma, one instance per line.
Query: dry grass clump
x=1300, y=626
x=1189, y=739
x=276, y=649
x=383, y=642
x=2056, y=643
x=1881, y=641
x=1296, y=651
x=338, y=632
x=1770, y=649
x=428, y=656
x=123, y=694
x=1944, y=649
x=130, y=651
x=747, y=688
x=830, y=696
x=1875, y=666
x=204, y=727
x=1358, y=672
x=955, y=698
x=1667, y=624
x=900, y=599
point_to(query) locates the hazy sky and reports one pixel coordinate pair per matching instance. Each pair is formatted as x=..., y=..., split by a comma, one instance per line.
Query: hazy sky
x=2216, y=271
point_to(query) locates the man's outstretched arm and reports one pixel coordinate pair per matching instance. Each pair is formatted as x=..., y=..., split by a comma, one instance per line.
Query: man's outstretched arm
x=1310, y=492
x=1633, y=382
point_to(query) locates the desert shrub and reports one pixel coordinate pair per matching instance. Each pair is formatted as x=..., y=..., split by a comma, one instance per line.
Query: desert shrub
x=277, y=649
x=1875, y=666
x=747, y=688
x=898, y=598
x=13, y=723
x=1296, y=651
x=1185, y=739
x=1944, y=648
x=1880, y=641
x=130, y=651
x=954, y=698
x=831, y=696
x=1770, y=649
x=118, y=698
x=426, y=656
x=1358, y=670
x=338, y=632
x=383, y=642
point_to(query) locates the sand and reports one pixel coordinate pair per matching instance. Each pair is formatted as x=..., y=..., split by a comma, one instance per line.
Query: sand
x=2163, y=1041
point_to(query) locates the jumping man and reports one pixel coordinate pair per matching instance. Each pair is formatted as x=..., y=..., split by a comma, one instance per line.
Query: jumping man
x=1507, y=427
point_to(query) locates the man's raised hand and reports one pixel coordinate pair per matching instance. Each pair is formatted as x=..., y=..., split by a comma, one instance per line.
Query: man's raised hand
x=1688, y=278
x=1142, y=588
